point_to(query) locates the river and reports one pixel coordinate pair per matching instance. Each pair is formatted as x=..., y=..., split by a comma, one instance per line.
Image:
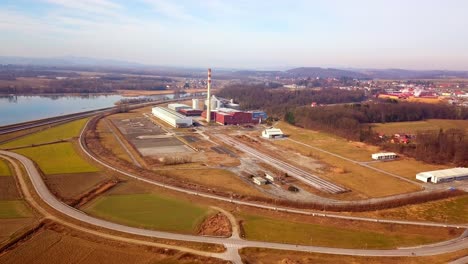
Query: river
x=22, y=108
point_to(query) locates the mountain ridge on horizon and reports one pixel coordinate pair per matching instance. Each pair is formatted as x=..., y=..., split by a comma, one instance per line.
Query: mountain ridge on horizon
x=315, y=71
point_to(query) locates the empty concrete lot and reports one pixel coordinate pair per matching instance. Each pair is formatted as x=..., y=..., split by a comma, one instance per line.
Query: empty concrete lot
x=148, y=138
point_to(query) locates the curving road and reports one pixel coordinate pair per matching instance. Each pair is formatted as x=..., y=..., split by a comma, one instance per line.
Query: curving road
x=259, y=205
x=232, y=243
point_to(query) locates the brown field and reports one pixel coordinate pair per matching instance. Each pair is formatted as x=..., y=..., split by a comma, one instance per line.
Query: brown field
x=218, y=179
x=108, y=140
x=407, y=167
x=413, y=127
x=270, y=256
x=11, y=228
x=8, y=189
x=71, y=185
x=364, y=182
x=49, y=246
x=349, y=149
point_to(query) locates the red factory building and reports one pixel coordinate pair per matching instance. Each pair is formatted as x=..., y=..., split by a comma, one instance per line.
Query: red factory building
x=226, y=116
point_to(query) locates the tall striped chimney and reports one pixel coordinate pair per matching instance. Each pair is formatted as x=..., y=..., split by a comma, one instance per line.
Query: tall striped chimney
x=208, y=97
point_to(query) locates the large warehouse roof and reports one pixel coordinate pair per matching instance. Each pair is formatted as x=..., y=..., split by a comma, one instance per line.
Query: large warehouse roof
x=443, y=175
x=447, y=173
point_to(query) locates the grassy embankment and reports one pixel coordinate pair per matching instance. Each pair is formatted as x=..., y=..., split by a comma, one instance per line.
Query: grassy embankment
x=343, y=234
x=452, y=210
x=366, y=183
x=65, y=131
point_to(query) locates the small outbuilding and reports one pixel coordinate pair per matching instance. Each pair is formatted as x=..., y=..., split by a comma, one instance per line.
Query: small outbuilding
x=259, y=180
x=272, y=133
x=384, y=156
x=269, y=177
x=438, y=176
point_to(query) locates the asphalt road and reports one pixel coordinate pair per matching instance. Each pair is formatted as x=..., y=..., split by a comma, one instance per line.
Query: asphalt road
x=231, y=243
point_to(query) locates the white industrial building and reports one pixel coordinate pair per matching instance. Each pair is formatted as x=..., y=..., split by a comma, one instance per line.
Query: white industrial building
x=269, y=177
x=272, y=133
x=218, y=102
x=172, y=117
x=195, y=104
x=176, y=107
x=384, y=156
x=259, y=180
x=446, y=175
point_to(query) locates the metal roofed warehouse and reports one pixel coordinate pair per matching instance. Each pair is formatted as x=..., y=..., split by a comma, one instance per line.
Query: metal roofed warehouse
x=443, y=175
x=171, y=117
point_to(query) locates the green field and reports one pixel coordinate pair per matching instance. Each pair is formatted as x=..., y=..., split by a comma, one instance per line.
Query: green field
x=150, y=211
x=278, y=230
x=4, y=169
x=413, y=127
x=64, y=131
x=14, y=209
x=57, y=159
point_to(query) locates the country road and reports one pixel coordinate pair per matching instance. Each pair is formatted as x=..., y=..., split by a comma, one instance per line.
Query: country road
x=230, y=243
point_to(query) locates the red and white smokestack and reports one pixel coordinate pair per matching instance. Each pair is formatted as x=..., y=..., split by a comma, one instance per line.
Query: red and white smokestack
x=208, y=97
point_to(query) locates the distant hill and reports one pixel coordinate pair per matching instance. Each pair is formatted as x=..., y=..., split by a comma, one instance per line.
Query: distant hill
x=413, y=74
x=325, y=73
x=85, y=63
x=66, y=61
x=313, y=72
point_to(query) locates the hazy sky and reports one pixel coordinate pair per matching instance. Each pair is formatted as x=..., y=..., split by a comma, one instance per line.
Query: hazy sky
x=416, y=34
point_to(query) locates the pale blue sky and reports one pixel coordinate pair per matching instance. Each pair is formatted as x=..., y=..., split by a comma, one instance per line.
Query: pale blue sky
x=414, y=34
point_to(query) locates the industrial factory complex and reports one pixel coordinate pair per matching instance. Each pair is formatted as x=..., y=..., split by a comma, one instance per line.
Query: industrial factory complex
x=222, y=111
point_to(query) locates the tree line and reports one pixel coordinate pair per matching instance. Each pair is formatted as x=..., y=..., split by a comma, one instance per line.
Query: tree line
x=354, y=120
x=354, y=123
x=276, y=102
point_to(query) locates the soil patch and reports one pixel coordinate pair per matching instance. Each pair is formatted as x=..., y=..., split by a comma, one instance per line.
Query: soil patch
x=216, y=225
x=8, y=189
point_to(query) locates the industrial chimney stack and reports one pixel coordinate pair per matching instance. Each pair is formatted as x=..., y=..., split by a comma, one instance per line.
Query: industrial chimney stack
x=208, y=94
